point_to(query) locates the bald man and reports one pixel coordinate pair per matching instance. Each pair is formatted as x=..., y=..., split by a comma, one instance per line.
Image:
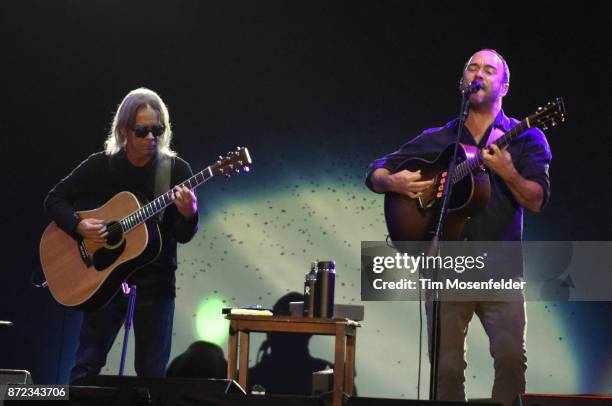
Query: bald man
x=519, y=180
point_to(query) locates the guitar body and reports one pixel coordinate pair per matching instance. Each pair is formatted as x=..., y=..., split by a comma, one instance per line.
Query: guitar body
x=416, y=219
x=87, y=275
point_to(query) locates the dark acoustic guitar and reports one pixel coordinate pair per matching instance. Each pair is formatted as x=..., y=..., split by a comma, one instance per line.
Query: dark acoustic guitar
x=415, y=219
x=85, y=274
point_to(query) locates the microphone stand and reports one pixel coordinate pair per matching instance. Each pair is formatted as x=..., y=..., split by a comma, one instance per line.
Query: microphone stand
x=434, y=249
x=129, y=317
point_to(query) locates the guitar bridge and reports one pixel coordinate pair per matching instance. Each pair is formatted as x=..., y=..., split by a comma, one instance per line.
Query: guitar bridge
x=84, y=253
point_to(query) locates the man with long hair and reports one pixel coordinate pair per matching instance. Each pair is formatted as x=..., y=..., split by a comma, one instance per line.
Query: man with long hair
x=138, y=143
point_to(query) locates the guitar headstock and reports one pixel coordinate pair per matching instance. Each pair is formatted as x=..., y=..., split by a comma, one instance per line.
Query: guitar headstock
x=232, y=163
x=549, y=115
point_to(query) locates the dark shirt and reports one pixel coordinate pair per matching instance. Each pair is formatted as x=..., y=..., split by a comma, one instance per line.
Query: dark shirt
x=99, y=178
x=502, y=218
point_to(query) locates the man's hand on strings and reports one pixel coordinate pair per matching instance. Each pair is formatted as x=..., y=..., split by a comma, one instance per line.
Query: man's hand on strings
x=185, y=201
x=409, y=183
x=498, y=160
x=93, y=229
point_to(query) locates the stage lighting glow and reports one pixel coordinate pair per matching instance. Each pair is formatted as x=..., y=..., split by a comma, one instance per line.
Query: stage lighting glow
x=254, y=251
x=210, y=324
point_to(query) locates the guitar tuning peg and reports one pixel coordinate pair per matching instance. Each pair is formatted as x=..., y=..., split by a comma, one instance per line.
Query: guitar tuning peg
x=237, y=170
x=237, y=148
x=220, y=157
x=247, y=169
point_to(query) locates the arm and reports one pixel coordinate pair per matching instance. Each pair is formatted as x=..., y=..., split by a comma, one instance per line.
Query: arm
x=60, y=201
x=527, y=193
x=186, y=202
x=528, y=181
x=404, y=182
x=381, y=176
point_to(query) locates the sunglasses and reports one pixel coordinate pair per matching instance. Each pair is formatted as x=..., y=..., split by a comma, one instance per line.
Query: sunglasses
x=142, y=132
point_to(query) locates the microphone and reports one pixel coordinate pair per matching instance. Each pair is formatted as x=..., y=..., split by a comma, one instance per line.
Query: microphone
x=473, y=87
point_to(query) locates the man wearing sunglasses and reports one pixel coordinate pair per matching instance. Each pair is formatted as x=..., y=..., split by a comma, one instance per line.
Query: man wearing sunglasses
x=137, y=158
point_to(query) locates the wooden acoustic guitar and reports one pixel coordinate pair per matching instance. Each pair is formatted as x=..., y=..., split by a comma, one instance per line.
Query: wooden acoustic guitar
x=85, y=274
x=415, y=219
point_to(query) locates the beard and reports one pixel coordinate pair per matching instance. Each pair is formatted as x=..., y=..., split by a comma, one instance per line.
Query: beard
x=486, y=99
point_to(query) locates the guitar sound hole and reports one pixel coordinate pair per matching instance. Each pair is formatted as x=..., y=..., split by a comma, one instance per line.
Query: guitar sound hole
x=115, y=233
x=105, y=257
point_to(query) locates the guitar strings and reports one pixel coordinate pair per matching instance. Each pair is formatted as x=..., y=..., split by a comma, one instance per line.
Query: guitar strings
x=150, y=209
x=467, y=166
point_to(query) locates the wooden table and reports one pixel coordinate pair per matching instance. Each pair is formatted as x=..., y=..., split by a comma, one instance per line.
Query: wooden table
x=344, y=358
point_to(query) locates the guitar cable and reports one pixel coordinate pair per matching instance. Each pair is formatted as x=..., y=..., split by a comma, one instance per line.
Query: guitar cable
x=420, y=343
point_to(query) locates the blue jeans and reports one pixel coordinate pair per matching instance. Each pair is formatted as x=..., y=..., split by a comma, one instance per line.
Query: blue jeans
x=152, y=331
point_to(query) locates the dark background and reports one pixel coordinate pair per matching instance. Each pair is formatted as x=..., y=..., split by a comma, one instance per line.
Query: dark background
x=300, y=83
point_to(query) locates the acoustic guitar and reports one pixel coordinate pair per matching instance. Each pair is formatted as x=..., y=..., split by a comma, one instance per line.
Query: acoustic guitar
x=415, y=219
x=85, y=274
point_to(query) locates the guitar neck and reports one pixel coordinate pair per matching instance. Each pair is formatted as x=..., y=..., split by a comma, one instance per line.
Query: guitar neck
x=161, y=202
x=471, y=164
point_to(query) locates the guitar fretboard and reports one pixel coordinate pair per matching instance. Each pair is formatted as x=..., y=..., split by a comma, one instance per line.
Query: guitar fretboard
x=472, y=163
x=161, y=202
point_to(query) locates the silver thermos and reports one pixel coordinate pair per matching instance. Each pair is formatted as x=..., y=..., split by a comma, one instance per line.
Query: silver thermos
x=309, y=291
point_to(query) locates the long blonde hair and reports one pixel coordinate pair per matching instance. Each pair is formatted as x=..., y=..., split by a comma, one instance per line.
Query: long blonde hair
x=126, y=115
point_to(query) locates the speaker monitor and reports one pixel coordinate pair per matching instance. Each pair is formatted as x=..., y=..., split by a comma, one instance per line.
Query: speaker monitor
x=254, y=400
x=105, y=390
x=144, y=390
x=358, y=401
x=528, y=399
x=15, y=376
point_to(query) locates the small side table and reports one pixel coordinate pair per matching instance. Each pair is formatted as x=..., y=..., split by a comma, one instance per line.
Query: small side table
x=344, y=358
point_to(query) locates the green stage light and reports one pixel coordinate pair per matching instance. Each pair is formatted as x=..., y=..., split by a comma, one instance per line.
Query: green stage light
x=211, y=325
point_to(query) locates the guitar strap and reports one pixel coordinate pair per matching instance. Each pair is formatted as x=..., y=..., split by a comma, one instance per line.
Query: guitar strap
x=162, y=181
